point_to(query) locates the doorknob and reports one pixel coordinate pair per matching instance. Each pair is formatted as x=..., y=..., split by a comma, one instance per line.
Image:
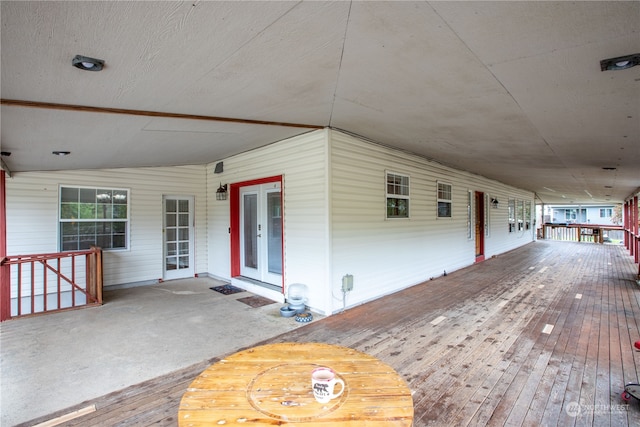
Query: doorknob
x=259, y=235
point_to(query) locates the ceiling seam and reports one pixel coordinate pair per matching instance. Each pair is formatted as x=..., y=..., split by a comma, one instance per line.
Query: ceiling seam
x=507, y=91
x=344, y=42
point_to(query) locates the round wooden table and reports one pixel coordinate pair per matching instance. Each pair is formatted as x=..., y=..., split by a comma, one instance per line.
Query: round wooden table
x=271, y=385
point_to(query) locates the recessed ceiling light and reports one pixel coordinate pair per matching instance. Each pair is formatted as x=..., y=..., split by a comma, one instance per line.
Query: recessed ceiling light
x=609, y=168
x=61, y=153
x=86, y=63
x=5, y=153
x=620, y=63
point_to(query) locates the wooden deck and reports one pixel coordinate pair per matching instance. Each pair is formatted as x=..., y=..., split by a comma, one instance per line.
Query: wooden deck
x=542, y=335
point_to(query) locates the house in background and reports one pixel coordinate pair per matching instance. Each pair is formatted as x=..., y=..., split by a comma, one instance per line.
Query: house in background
x=311, y=209
x=597, y=214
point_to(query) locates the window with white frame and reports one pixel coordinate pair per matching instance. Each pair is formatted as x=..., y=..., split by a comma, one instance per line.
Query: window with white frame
x=486, y=214
x=93, y=217
x=470, y=223
x=512, y=215
x=606, y=213
x=520, y=214
x=397, y=195
x=570, y=215
x=444, y=200
x=527, y=215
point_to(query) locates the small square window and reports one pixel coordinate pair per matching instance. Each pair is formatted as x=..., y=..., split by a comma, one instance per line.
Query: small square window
x=606, y=213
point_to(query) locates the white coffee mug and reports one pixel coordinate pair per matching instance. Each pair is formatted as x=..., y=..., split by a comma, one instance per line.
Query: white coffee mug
x=323, y=381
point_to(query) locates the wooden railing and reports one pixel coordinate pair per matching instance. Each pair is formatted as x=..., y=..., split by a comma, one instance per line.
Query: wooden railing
x=580, y=232
x=632, y=228
x=632, y=242
x=34, y=284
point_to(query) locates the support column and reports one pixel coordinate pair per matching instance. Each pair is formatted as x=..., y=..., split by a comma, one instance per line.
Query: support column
x=5, y=286
x=626, y=223
x=635, y=229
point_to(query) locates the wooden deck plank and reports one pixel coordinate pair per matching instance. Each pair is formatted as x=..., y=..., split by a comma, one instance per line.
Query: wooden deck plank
x=629, y=321
x=487, y=362
x=481, y=401
x=472, y=359
x=516, y=397
x=568, y=415
x=553, y=410
x=616, y=374
x=540, y=383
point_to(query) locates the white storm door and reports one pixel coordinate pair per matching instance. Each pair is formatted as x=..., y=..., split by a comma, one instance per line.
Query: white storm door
x=261, y=233
x=178, y=237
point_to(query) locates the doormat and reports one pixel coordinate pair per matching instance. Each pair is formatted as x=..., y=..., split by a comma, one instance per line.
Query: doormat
x=255, y=301
x=227, y=289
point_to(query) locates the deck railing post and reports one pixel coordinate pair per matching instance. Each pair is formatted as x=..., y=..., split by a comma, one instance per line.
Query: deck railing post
x=94, y=273
x=99, y=273
x=626, y=222
x=89, y=272
x=5, y=290
x=5, y=272
x=33, y=287
x=636, y=225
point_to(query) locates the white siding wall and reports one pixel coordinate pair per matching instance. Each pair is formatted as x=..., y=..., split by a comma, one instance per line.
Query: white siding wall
x=387, y=255
x=334, y=216
x=32, y=215
x=593, y=215
x=302, y=162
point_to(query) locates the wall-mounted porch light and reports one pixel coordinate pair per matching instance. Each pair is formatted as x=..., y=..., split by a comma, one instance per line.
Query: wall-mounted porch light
x=494, y=203
x=221, y=192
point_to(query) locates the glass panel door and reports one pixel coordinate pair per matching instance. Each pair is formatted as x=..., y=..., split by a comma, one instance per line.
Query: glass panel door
x=178, y=237
x=274, y=232
x=250, y=229
x=261, y=233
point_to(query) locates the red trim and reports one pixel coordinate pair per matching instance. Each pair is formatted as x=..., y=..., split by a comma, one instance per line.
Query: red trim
x=234, y=220
x=234, y=229
x=480, y=220
x=5, y=288
x=636, y=230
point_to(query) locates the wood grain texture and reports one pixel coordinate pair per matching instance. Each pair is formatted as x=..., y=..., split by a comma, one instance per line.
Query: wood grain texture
x=272, y=384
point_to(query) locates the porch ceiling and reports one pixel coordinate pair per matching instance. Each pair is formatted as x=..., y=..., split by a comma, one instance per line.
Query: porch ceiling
x=509, y=90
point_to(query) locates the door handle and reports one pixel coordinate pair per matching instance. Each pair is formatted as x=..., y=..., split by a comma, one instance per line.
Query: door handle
x=259, y=235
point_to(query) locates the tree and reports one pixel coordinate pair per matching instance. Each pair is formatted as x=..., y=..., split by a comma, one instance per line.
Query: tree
x=616, y=218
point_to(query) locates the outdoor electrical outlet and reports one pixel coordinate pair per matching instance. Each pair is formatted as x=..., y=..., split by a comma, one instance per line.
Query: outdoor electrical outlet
x=347, y=283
